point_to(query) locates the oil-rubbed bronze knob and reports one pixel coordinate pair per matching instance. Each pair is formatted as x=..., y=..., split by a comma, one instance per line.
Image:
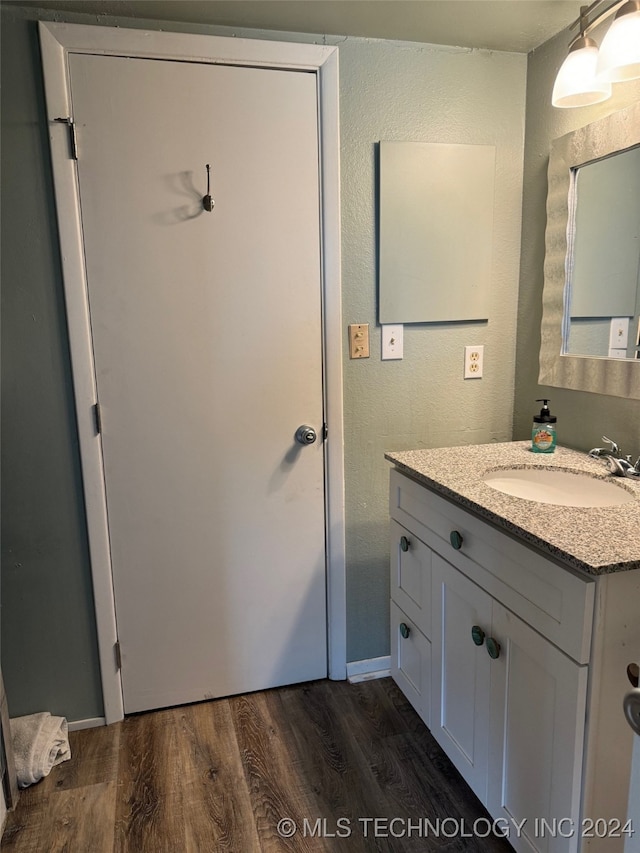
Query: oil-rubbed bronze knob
x=493, y=647
x=404, y=630
x=455, y=537
x=477, y=635
x=404, y=543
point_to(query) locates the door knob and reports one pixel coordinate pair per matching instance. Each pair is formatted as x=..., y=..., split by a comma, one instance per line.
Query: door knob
x=404, y=630
x=404, y=543
x=632, y=709
x=306, y=435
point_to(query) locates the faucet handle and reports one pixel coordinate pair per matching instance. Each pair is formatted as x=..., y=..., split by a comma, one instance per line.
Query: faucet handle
x=614, y=447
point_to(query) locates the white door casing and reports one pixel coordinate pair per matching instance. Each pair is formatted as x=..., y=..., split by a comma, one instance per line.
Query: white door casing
x=58, y=42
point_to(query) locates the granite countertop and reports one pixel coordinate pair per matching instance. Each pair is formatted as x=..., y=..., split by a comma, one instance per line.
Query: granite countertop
x=597, y=540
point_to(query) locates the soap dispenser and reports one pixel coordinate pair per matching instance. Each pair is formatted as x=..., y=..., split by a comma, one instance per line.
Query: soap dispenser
x=543, y=434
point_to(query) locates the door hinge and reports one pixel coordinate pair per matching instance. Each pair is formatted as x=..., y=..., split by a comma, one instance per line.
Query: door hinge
x=97, y=416
x=118, y=654
x=73, y=139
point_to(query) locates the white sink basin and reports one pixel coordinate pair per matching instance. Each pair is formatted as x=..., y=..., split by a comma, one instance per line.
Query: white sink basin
x=552, y=486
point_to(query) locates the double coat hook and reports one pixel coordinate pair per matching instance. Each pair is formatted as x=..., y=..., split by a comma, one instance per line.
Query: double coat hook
x=207, y=201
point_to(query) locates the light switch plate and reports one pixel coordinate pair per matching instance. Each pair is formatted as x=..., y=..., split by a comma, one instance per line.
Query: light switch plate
x=359, y=340
x=392, y=342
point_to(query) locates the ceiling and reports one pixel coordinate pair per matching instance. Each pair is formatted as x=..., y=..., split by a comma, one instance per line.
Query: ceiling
x=513, y=25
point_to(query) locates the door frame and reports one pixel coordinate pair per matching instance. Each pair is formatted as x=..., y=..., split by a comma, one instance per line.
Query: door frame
x=57, y=41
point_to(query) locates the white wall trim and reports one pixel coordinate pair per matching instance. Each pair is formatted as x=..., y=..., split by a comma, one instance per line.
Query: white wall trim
x=366, y=670
x=89, y=723
x=331, y=272
x=57, y=41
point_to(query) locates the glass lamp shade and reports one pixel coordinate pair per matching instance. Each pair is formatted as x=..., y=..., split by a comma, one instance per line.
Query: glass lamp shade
x=619, y=57
x=576, y=84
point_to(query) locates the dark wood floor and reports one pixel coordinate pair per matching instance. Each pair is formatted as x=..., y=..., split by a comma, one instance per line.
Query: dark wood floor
x=221, y=775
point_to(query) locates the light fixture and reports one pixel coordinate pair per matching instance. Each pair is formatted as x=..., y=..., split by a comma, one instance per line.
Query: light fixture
x=576, y=84
x=586, y=75
x=619, y=57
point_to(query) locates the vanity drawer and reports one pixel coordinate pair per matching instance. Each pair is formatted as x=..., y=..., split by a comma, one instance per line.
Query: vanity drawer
x=411, y=662
x=552, y=599
x=411, y=576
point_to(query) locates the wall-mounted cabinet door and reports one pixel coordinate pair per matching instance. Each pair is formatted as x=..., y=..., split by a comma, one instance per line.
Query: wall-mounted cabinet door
x=460, y=679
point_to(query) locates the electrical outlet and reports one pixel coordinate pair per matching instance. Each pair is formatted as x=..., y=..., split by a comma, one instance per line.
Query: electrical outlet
x=473, y=359
x=392, y=342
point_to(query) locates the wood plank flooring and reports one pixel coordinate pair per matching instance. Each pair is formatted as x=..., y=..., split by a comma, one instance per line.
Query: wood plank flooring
x=221, y=775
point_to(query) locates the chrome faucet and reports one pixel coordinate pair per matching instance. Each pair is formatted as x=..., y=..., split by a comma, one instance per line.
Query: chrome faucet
x=617, y=465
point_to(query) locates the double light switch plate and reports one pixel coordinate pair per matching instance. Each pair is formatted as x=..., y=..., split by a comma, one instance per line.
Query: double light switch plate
x=359, y=340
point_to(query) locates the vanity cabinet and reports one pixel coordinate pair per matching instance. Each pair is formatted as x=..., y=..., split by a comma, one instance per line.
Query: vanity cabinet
x=505, y=705
x=492, y=644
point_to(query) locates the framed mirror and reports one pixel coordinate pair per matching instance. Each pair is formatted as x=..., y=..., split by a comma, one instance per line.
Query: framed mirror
x=591, y=270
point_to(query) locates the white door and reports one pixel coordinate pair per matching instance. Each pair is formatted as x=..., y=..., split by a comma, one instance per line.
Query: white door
x=207, y=347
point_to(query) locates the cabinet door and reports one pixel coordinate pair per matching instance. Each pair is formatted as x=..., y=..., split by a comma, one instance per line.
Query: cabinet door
x=411, y=661
x=537, y=734
x=460, y=673
x=411, y=576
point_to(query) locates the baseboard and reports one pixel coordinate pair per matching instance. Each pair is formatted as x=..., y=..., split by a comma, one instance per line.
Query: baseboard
x=366, y=670
x=90, y=723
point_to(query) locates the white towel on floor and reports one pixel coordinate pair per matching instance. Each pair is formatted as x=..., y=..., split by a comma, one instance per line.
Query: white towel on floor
x=40, y=741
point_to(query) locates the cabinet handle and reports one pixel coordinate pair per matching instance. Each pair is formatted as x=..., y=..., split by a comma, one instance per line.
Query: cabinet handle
x=404, y=630
x=404, y=543
x=493, y=648
x=455, y=537
x=477, y=634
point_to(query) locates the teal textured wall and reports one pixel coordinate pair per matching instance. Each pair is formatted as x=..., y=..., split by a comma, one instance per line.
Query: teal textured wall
x=49, y=651
x=388, y=91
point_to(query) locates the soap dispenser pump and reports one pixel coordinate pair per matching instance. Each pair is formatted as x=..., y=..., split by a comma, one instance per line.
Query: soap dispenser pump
x=543, y=434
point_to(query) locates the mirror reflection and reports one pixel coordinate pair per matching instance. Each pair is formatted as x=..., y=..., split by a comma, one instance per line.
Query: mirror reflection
x=602, y=316
x=603, y=138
